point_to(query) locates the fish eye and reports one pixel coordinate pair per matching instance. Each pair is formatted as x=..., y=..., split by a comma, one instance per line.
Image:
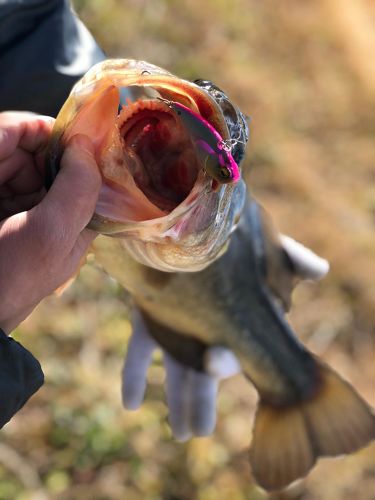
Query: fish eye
x=225, y=173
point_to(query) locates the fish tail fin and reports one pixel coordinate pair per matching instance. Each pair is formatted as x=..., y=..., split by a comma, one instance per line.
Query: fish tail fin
x=288, y=440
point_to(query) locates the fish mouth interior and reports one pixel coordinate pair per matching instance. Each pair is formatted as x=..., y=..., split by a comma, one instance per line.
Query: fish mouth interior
x=161, y=156
x=149, y=164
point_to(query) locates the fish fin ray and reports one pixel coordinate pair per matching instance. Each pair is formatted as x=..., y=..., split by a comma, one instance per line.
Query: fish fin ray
x=281, y=449
x=339, y=420
x=288, y=440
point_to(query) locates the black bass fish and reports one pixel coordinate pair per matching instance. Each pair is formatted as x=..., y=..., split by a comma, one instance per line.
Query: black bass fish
x=202, y=274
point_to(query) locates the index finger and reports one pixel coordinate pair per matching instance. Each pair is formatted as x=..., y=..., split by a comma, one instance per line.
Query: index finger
x=23, y=130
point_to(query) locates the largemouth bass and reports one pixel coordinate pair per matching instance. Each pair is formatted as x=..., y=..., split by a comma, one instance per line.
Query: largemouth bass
x=200, y=275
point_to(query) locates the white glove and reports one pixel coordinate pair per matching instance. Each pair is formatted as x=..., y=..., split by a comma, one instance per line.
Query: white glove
x=191, y=395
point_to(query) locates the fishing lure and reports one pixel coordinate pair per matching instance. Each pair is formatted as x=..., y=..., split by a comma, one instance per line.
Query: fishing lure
x=211, y=148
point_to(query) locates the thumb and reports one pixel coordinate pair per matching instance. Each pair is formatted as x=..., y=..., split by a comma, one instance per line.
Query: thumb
x=70, y=203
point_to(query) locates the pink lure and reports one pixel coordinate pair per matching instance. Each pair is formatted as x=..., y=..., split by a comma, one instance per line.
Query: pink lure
x=212, y=150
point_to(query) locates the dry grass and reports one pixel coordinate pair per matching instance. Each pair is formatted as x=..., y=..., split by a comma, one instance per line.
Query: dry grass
x=304, y=72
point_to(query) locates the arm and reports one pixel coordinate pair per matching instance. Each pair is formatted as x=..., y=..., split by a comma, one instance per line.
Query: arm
x=42, y=238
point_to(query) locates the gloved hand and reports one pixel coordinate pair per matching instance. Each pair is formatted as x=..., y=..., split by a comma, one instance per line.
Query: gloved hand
x=191, y=395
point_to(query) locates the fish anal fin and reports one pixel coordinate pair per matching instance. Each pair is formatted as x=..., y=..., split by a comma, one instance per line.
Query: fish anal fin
x=288, y=440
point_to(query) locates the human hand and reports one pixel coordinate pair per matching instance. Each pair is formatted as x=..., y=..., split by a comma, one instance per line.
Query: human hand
x=191, y=395
x=42, y=235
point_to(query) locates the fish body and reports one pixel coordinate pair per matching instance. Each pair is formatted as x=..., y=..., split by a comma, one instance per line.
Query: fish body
x=227, y=304
x=305, y=409
x=202, y=274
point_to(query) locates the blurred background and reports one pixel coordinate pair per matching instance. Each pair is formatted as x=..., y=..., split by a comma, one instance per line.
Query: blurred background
x=304, y=72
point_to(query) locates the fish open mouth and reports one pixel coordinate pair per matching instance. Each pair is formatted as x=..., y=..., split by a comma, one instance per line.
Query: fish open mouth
x=151, y=164
x=160, y=154
x=147, y=157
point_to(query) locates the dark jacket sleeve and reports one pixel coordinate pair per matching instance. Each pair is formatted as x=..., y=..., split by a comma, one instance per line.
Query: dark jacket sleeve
x=20, y=377
x=44, y=50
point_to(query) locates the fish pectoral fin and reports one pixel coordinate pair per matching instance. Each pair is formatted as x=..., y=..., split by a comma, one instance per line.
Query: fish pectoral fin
x=288, y=440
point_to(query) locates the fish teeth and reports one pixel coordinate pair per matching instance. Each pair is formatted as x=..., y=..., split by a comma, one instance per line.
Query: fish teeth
x=133, y=108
